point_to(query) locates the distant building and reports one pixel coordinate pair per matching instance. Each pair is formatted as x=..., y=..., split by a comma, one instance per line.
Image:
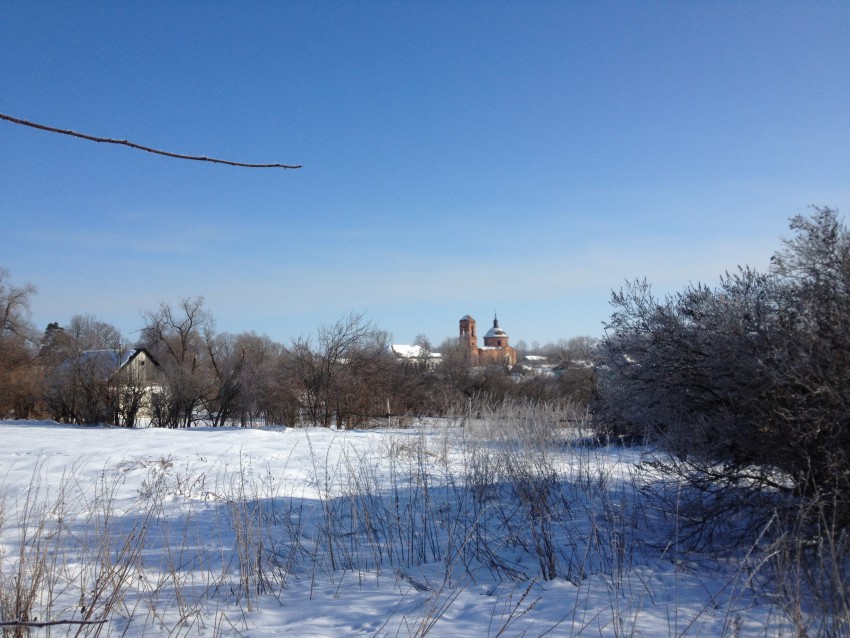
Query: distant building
x=116, y=386
x=137, y=363
x=139, y=383
x=416, y=355
x=496, y=349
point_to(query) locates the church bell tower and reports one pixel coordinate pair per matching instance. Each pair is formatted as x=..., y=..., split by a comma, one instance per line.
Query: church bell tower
x=468, y=338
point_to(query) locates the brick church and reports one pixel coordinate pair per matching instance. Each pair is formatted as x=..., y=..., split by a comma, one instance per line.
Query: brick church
x=496, y=350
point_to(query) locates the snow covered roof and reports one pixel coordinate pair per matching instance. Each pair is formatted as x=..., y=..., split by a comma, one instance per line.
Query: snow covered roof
x=133, y=353
x=110, y=360
x=413, y=352
x=495, y=331
x=106, y=361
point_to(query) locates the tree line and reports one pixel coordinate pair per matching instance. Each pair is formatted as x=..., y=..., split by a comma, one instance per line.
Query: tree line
x=343, y=376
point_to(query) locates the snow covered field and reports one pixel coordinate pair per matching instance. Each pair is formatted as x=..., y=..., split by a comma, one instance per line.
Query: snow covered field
x=484, y=528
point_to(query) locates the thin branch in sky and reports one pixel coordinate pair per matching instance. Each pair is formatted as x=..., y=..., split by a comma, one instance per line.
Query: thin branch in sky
x=108, y=140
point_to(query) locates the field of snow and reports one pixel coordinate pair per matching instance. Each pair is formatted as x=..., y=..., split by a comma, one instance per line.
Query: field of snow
x=480, y=528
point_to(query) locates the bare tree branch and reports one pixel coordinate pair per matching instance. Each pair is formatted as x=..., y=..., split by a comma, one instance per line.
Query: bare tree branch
x=50, y=623
x=108, y=140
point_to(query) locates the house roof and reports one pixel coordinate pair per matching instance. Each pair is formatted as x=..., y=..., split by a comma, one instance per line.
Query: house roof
x=413, y=352
x=110, y=361
x=135, y=352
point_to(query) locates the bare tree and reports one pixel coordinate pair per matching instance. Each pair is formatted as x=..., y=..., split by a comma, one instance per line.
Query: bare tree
x=572, y=361
x=521, y=347
x=227, y=360
x=89, y=333
x=18, y=375
x=262, y=398
x=747, y=385
x=14, y=307
x=341, y=378
x=180, y=340
x=81, y=361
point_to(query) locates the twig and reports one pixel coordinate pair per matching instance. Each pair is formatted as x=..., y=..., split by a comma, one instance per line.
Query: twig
x=50, y=623
x=109, y=140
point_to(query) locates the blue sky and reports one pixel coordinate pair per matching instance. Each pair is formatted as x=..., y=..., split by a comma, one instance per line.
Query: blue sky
x=459, y=157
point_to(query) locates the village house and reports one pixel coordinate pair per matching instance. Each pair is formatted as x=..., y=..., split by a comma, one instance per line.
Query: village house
x=138, y=381
x=416, y=355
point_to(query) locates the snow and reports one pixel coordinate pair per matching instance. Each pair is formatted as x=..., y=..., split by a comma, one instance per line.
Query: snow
x=195, y=514
x=413, y=352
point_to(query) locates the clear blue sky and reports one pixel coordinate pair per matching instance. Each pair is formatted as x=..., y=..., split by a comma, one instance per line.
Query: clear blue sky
x=459, y=157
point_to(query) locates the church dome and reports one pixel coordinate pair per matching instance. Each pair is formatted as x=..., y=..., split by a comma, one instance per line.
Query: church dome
x=495, y=331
